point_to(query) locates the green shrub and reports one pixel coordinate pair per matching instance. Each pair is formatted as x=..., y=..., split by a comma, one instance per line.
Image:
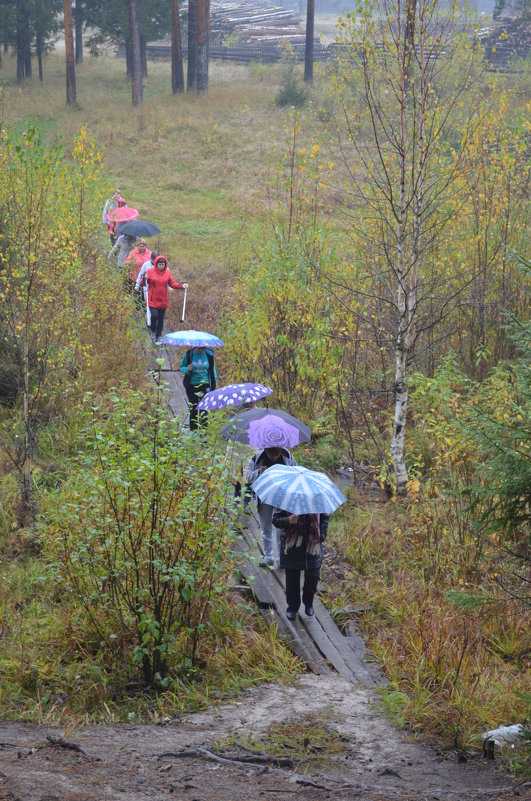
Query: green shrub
x=140, y=536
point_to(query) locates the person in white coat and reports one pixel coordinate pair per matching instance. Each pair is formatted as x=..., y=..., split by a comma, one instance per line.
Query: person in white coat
x=123, y=247
x=110, y=204
x=141, y=283
x=263, y=459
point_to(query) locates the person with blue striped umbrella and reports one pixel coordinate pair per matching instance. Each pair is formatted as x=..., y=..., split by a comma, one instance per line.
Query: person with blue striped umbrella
x=301, y=551
x=303, y=500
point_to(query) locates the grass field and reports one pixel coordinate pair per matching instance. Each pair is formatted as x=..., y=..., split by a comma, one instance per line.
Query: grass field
x=193, y=165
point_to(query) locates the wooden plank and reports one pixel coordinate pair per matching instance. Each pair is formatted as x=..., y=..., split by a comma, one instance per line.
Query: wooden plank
x=271, y=599
x=320, y=635
x=308, y=628
x=344, y=647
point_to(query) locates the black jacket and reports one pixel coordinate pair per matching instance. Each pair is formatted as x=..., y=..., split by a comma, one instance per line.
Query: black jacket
x=299, y=558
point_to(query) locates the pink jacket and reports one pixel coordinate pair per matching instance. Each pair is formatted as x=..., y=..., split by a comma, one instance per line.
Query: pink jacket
x=136, y=259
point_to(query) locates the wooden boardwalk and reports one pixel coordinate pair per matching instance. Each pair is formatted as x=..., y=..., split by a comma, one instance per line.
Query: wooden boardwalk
x=316, y=640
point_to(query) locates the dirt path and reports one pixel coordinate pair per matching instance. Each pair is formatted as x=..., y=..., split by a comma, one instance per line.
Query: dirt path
x=139, y=762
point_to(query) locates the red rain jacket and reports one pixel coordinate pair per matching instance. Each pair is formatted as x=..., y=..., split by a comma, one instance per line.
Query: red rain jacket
x=157, y=283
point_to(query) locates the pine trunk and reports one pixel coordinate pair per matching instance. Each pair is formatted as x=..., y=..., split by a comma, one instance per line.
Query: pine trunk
x=69, y=50
x=39, y=58
x=143, y=56
x=20, y=37
x=191, y=77
x=308, y=51
x=136, y=63
x=177, y=72
x=203, y=31
x=79, y=31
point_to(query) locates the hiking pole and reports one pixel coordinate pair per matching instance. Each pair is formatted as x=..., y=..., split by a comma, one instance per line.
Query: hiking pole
x=184, y=305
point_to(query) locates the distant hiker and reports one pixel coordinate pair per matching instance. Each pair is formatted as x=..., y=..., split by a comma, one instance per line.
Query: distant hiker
x=301, y=549
x=147, y=265
x=263, y=459
x=199, y=370
x=113, y=225
x=110, y=204
x=122, y=248
x=138, y=256
x=158, y=278
x=140, y=282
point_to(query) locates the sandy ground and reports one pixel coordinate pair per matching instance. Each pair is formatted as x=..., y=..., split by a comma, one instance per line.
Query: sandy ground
x=140, y=762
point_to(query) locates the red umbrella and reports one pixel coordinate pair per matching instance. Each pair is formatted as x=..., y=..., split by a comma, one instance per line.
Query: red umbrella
x=122, y=214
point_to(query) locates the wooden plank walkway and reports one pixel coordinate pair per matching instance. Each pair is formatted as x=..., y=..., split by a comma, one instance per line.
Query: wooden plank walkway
x=317, y=640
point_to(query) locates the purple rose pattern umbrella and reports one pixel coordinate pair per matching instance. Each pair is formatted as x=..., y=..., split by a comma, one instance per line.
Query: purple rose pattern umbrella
x=272, y=432
x=233, y=395
x=237, y=429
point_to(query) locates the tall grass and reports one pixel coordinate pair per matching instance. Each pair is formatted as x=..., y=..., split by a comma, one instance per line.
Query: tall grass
x=454, y=672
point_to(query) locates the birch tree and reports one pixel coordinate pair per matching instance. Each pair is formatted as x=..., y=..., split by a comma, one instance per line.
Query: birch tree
x=408, y=83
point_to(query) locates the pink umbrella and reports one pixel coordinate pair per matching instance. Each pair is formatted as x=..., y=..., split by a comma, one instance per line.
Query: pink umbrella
x=272, y=432
x=122, y=214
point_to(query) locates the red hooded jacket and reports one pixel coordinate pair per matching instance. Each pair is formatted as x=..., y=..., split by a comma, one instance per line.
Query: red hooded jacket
x=158, y=282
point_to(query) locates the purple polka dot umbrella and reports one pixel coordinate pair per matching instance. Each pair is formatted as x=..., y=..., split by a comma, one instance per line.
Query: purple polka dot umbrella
x=233, y=395
x=272, y=432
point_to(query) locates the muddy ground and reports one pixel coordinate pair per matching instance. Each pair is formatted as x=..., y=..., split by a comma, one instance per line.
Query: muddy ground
x=141, y=762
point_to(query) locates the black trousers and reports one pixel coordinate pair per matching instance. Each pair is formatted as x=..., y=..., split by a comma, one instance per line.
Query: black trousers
x=157, y=321
x=194, y=395
x=293, y=587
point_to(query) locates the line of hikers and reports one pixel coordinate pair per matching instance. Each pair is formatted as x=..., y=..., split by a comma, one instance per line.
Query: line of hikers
x=292, y=541
x=148, y=269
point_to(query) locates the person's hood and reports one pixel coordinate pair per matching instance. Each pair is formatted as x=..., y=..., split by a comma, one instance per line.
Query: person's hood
x=261, y=452
x=161, y=258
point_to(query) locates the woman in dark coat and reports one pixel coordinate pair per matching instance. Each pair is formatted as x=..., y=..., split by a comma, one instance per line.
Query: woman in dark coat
x=301, y=549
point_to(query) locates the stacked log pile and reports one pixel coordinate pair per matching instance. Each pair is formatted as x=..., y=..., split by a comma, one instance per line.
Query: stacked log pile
x=254, y=22
x=506, y=42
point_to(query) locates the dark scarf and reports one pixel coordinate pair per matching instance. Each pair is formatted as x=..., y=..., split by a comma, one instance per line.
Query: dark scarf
x=295, y=534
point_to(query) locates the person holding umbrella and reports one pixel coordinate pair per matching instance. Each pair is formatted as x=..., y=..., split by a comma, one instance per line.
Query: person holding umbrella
x=276, y=453
x=120, y=203
x=123, y=247
x=303, y=500
x=199, y=370
x=158, y=278
x=110, y=204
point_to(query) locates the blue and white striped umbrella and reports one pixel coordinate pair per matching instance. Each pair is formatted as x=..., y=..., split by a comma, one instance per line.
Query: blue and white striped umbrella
x=192, y=339
x=298, y=490
x=233, y=395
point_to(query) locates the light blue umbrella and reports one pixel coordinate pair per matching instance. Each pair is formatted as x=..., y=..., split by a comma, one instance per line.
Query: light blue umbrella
x=192, y=339
x=298, y=490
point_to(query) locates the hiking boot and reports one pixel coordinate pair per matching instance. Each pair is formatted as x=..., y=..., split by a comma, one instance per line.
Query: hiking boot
x=267, y=561
x=309, y=611
x=291, y=614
